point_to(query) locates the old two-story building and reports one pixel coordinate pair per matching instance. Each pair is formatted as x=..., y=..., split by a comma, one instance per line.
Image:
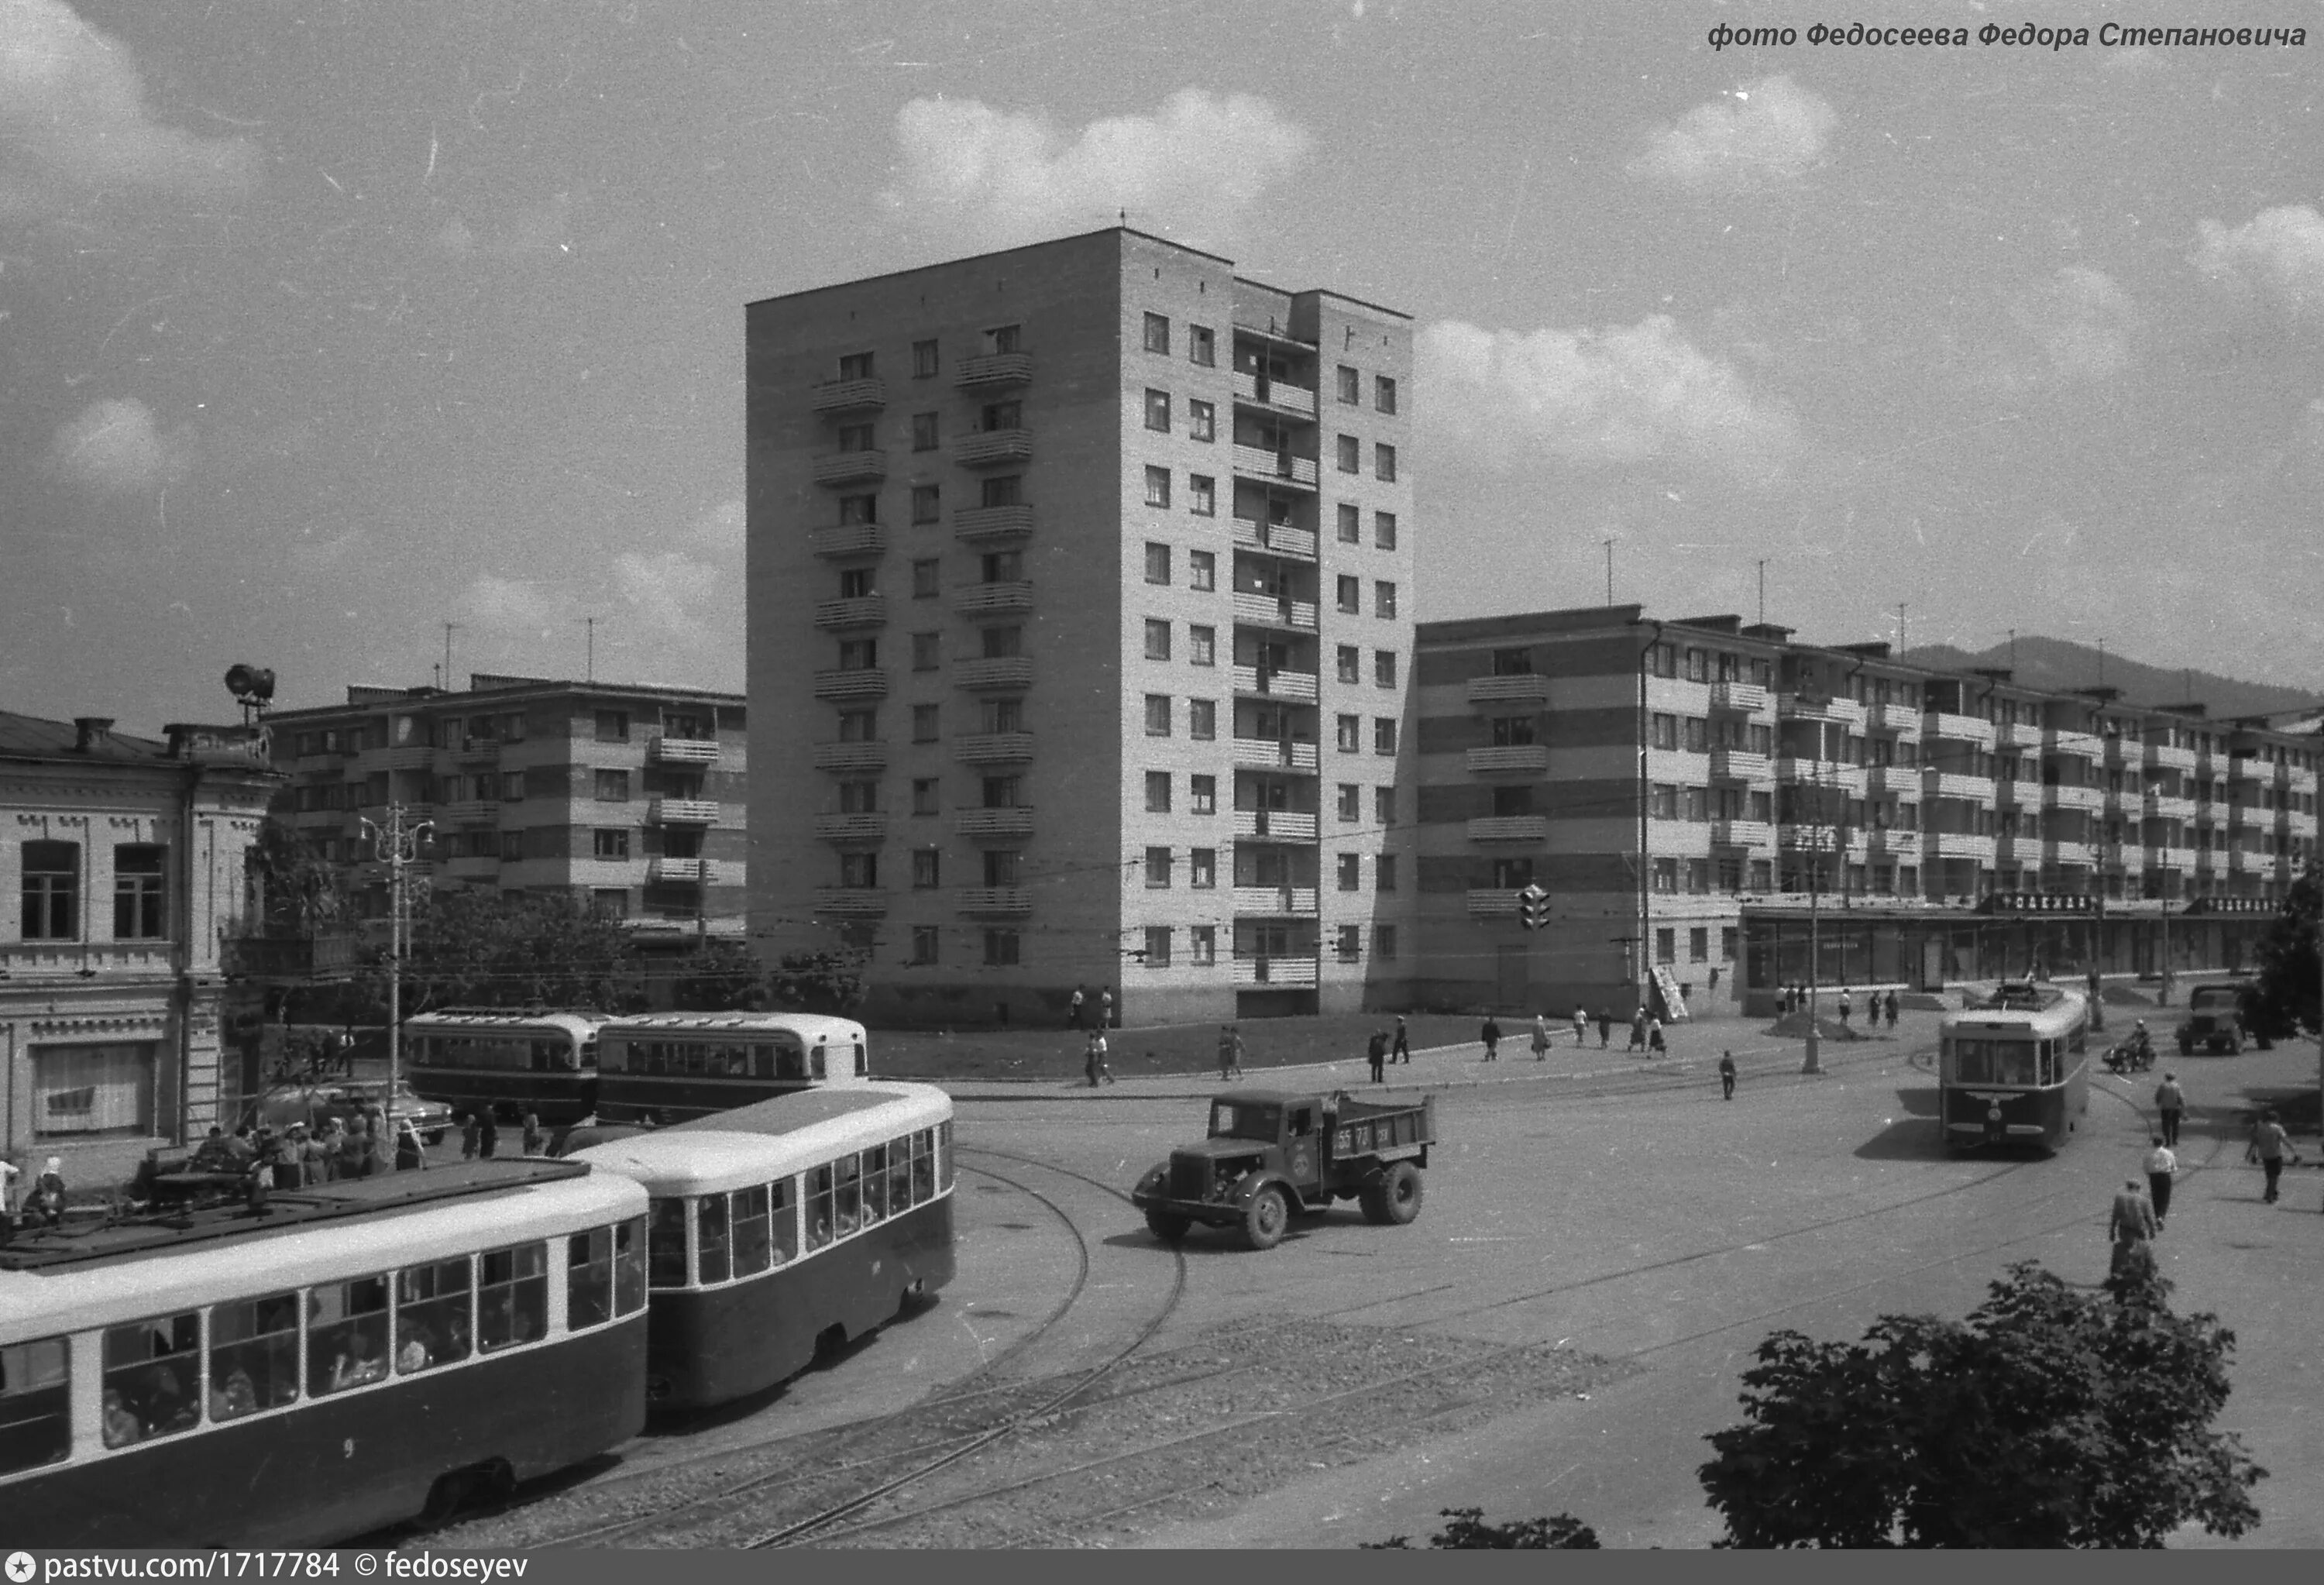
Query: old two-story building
x=128, y=860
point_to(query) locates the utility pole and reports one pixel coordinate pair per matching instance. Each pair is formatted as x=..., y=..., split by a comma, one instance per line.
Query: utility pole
x=589, y=673
x=1815, y=892
x=396, y=839
x=1763, y=591
x=1900, y=627
x=1609, y=571
x=449, y=628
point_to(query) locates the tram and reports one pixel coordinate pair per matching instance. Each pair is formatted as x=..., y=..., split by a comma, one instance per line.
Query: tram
x=784, y=1227
x=670, y=1067
x=2015, y=1071
x=510, y=1063
x=368, y=1351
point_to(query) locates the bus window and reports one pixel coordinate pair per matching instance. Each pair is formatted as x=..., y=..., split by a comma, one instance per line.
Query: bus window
x=254, y=1355
x=710, y=1259
x=150, y=1372
x=818, y=1207
x=432, y=1315
x=900, y=1175
x=847, y=1194
x=943, y=1158
x=754, y=1244
x=630, y=1266
x=815, y=1063
x=862, y=1062
x=589, y=1279
x=782, y=1199
x=346, y=1335
x=35, y=1405
x=875, y=1184
x=790, y=1058
x=513, y=1300
x=923, y=1167
x=666, y=1244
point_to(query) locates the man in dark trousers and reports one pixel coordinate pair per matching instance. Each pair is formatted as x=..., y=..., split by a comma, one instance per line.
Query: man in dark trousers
x=2161, y=1172
x=2170, y=1106
x=1377, y=1053
x=1074, y=1009
x=1401, y=1051
x=1892, y=1009
x=1726, y=1075
x=1491, y=1035
x=1605, y=1028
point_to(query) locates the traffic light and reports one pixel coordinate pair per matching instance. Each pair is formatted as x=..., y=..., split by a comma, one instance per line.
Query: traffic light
x=1533, y=907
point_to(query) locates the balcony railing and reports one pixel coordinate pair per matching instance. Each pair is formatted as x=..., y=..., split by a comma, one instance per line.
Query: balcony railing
x=851, y=902
x=1837, y=712
x=698, y=872
x=1949, y=784
x=1509, y=828
x=684, y=811
x=985, y=824
x=994, y=369
x=1274, y=395
x=867, y=682
x=2164, y=806
x=2058, y=795
x=998, y=901
x=1739, y=698
x=1275, y=899
x=479, y=750
x=1280, y=466
x=1905, y=719
x=1258, y=754
x=404, y=757
x=1274, y=825
x=848, y=540
x=1742, y=834
x=666, y=750
x=1740, y=765
x=861, y=828
x=848, y=467
x=1275, y=685
x=1011, y=599
x=1275, y=538
x=2086, y=745
x=848, y=396
x=994, y=748
x=1523, y=688
x=868, y=756
x=2015, y=734
x=1508, y=756
x=1957, y=844
x=1274, y=971
x=1964, y=729
x=1000, y=674
x=1493, y=902
x=985, y=447
x=1843, y=779
x=860, y=611
x=985, y=525
x=469, y=812
x=1267, y=611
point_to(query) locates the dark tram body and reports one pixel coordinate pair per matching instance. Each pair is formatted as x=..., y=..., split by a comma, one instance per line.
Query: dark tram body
x=507, y=1063
x=2015, y=1072
x=673, y=1067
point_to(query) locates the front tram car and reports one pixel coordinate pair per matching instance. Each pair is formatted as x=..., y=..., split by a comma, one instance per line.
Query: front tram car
x=668, y=1067
x=787, y=1226
x=2015, y=1071
x=507, y=1063
x=368, y=1351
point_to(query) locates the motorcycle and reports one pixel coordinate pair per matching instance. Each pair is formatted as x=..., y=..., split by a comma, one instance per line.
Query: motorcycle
x=2129, y=1057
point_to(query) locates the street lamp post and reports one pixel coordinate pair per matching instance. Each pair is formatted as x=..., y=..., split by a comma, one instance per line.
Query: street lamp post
x=396, y=839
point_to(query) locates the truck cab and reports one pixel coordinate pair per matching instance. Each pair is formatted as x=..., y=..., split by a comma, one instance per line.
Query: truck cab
x=1268, y=1154
x=2215, y=1018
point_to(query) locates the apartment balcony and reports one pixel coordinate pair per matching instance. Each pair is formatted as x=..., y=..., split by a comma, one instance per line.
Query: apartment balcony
x=992, y=525
x=860, y=611
x=851, y=902
x=1842, y=778
x=1951, y=783
x=2015, y=734
x=1274, y=971
x=2059, y=795
x=845, y=683
x=698, y=872
x=1266, y=684
x=994, y=748
x=846, y=542
x=408, y=757
x=687, y=811
x=1273, y=396
x=1267, y=611
x=1275, y=538
x=1259, y=753
x=1957, y=844
x=1006, y=674
x=848, y=396
x=984, y=448
x=1529, y=828
x=857, y=830
x=2070, y=853
x=849, y=757
x=1807, y=837
x=996, y=902
x=664, y=750
x=1835, y=711
x=2085, y=745
x=2120, y=752
x=851, y=467
x=1012, y=599
x=1525, y=689
x=1958, y=729
x=1740, y=698
x=1742, y=834
x=1896, y=778
x=1298, y=901
x=2164, y=806
x=1493, y=902
x=478, y=750
x=2211, y=812
x=469, y=812
x=1277, y=467
x=2017, y=793
x=985, y=824
x=992, y=371
x=2181, y=859
x=1896, y=842
x=1532, y=759
x=2299, y=823
x=1274, y=825
x=1740, y=765
x=1905, y=719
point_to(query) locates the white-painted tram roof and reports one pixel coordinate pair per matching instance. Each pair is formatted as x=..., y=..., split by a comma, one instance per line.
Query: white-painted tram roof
x=813, y=1028
x=770, y=1139
x=2057, y=1017
x=166, y=1282
x=580, y=1024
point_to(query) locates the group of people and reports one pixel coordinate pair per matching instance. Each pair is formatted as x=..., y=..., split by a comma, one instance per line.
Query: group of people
x=1382, y=1049
x=44, y=1202
x=1645, y=1032
x=1794, y=999
x=1083, y=1008
x=2140, y=1211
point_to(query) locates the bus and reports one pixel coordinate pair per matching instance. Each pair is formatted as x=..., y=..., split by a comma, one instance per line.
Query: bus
x=510, y=1062
x=2015, y=1071
x=670, y=1067
x=368, y=1351
x=784, y=1228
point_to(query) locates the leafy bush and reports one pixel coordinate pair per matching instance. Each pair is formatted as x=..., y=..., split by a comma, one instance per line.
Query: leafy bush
x=1469, y=1532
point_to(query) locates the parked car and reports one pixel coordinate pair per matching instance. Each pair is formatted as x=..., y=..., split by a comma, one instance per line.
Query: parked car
x=347, y=1098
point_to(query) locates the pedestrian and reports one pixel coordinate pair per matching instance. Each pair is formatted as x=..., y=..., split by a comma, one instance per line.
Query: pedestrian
x=1073, y=1010
x=314, y=1157
x=1093, y=1059
x=1491, y=1035
x=46, y=1202
x=1105, y=1008
x=9, y=1174
x=1714, y=979
x=1581, y=1026
x=2269, y=1146
x=354, y=1154
x=471, y=1134
x=1226, y=1052
x=1726, y=1075
x=1605, y=1028
x=1637, y=1031
x=1236, y=1030
x=2162, y=1171
x=1376, y=1052
x=1401, y=1049
x=2131, y=1226
x=533, y=1138
x=488, y=1133
x=2097, y=1008
x=1654, y=1037
x=285, y=1156
x=410, y=1156
x=1843, y=1007
x=2170, y=1106
x=1541, y=1036
x=1892, y=1009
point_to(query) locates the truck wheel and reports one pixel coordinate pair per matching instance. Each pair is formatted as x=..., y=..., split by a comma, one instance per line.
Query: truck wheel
x=2186, y=1048
x=2236, y=1047
x=1401, y=1192
x=1167, y=1226
x=1373, y=1198
x=2265, y=1042
x=1264, y=1219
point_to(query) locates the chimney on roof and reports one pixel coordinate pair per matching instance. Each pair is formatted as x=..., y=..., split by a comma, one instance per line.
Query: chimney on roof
x=91, y=731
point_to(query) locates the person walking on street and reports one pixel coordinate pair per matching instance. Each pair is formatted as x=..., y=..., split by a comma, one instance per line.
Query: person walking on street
x=382, y=1145
x=1226, y=1052
x=470, y=1133
x=2269, y=1146
x=2097, y=1008
x=1236, y=1030
x=2170, y=1106
x=409, y=1155
x=488, y=1133
x=1605, y=1028
x=1377, y=1053
x=1726, y=1075
x=1892, y=1009
x=1654, y=1045
x=1105, y=1008
x=1400, y=1049
x=9, y=1174
x=533, y=1138
x=1074, y=1009
x=1093, y=1060
x=1843, y=1007
x=2161, y=1172
x=1541, y=1036
x=1491, y=1035
x=46, y=1202
x=1581, y=1026
x=1637, y=1031
x=2131, y=1226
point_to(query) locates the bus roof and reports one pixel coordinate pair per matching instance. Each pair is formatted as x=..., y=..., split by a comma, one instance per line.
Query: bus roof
x=813, y=1028
x=770, y=1139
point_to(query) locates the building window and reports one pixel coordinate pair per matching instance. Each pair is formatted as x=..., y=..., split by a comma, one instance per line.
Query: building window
x=859, y=797
x=1004, y=792
x=927, y=503
x=1351, y=454
x=1698, y=736
x=1158, y=638
x=511, y=847
x=998, y=416
x=1202, y=495
x=1350, y=661
x=1350, y=801
x=924, y=360
x=1157, y=869
x=923, y=945
x=927, y=648
x=612, y=787
x=1202, y=570
x=1157, y=563
x=1158, y=715
x=859, y=870
x=1697, y=882
x=1000, y=949
x=924, y=724
x=1157, y=792
x=1004, y=338
x=1001, y=714
x=1666, y=945
x=1383, y=598
x=1158, y=946
x=611, y=844
x=926, y=578
x=856, y=365
x=1383, y=393
x=138, y=894
x=1384, y=944
x=1384, y=462
x=928, y=869
x=1351, y=386
x=924, y=795
x=1203, y=945
x=1384, y=807
x=859, y=726
x=1384, y=668
x=1201, y=420
x=1201, y=346
x=1384, y=529
x=858, y=438
x=1386, y=872
x=1665, y=876
x=80, y=1092
x=1157, y=411
x=855, y=510
x=1203, y=794
x=610, y=902
x=1662, y=801
x=1202, y=646
x=1665, y=730
x=1384, y=734
x=1158, y=333
x=1349, y=734
x=612, y=726
x=1351, y=871
x=1158, y=486
x=1351, y=525
x=1348, y=595
x=1698, y=804
x=859, y=654
x=1001, y=490
x=1203, y=867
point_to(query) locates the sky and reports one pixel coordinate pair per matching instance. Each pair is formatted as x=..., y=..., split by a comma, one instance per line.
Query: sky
x=323, y=326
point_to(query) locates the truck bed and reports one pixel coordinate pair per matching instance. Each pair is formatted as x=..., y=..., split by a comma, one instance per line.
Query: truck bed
x=1366, y=1127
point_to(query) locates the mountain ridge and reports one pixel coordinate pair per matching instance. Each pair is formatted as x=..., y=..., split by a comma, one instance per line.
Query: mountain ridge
x=2062, y=665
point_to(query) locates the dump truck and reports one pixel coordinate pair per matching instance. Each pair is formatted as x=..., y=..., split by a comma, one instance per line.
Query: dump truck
x=1273, y=1154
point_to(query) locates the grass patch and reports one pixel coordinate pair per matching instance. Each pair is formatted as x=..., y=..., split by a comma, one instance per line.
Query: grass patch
x=1167, y=1049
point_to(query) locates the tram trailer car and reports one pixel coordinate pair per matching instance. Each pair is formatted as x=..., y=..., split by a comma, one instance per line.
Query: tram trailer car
x=2016, y=1072
x=786, y=1227
x=672, y=1067
x=370, y=1351
x=508, y=1062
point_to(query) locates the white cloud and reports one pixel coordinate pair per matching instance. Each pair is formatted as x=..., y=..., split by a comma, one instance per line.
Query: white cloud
x=73, y=123
x=1621, y=394
x=1769, y=131
x=114, y=447
x=675, y=594
x=2080, y=323
x=508, y=607
x=720, y=530
x=1192, y=168
x=2278, y=254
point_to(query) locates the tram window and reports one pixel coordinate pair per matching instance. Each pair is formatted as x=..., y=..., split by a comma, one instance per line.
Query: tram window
x=763, y=1062
x=513, y=1300
x=432, y=1315
x=589, y=1279
x=790, y=1056
x=875, y=1184
x=346, y=1335
x=943, y=1158
x=666, y=1244
x=753, y=1243
x=862, y=1062
x=847, y=1194
x=254, y=1355
x=710, y=1257
x=815, y=1063
x=2047, y=1072
x=818, y=1207
x=630, y=1266
x=35, y=1405
x=738, y=1061
x=589, y=1054
x=782, y=1205
x=923, y=1167
x=2013, y=1062
x=151, y=1369
x=900, y=1175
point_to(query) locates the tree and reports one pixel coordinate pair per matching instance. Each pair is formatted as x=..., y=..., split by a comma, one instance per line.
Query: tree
x=295, y=894
x=2290, y=991
x=818, y=981
x=720, y=975
x=2051, y=1418
x=1469, y=1532
x=511, y=949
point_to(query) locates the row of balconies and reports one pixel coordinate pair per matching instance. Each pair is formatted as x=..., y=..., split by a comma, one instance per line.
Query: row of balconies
x=870, y=828
x=972, y=525
x=1275, y=540
x=1273, y=396
x=986, y=372
x=1274, y=612
x=1244, y=753
x=1012, y=901
x=1275, y=467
